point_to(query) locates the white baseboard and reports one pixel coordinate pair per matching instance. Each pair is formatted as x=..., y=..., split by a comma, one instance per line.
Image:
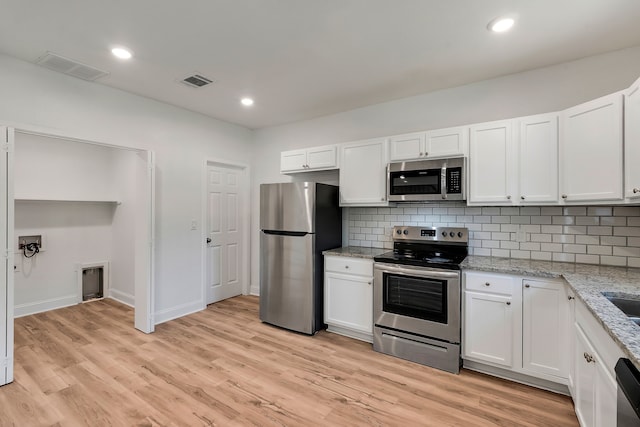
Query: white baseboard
x=254, y=290
x=21, y=310
x=122, y=297
x=179, y=311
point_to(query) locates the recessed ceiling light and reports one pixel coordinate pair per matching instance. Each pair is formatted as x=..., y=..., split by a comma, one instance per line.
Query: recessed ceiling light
x=122, y=53
x=247, y=102
x=500, y=25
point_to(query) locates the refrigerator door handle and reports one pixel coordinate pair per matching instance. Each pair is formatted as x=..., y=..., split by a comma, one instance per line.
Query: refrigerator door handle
x=286, y=233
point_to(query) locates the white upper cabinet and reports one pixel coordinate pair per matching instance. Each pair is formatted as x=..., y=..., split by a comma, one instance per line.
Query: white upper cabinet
x=431, y=144
x=591, y=153
x=447, y=142
x=363, y=178
x=538, y=158
x=407, y=147
x=491, y=160
x=632, y=140
x=315, y=158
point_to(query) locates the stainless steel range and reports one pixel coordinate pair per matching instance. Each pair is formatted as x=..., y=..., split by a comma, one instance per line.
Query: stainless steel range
x=416, y=296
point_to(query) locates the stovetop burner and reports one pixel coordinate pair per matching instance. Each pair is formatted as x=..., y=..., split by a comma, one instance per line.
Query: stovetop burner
x=436, y=247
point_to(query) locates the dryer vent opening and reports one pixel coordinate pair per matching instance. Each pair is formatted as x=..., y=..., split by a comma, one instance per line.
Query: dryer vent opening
x=92, y=283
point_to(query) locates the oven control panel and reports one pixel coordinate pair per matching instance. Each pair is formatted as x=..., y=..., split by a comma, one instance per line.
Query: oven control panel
x=431, y=234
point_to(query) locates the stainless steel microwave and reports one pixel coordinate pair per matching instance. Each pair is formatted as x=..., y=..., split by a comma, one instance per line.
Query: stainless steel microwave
x=423, y=180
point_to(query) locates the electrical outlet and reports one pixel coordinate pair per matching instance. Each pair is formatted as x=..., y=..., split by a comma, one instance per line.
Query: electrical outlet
x=26, y=240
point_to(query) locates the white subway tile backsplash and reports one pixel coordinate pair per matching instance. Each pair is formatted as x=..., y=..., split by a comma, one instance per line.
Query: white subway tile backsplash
x=593, y=235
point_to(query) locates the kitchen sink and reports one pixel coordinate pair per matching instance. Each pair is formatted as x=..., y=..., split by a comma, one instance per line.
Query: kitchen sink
x=629, y=306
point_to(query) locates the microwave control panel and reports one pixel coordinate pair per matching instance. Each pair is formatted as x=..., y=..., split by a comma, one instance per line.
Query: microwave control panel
x=454, y=180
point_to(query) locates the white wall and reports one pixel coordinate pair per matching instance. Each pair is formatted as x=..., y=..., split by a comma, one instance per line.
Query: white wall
x=537, y=91
x=57, y=169
x=73, y=232
x=33, y=97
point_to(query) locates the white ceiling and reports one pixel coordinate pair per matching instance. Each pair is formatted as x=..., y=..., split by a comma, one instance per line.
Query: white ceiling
x=306, y=58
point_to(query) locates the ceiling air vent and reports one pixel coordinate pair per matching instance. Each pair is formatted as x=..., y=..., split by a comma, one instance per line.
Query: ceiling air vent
x=196, y=80
x=68, y=66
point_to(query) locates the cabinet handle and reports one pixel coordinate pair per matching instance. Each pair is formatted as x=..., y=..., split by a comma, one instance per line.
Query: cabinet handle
x=564, y=196
x=508, y=197
x=589, y=358
x=487, y=284
x=570, y=297
x=521, y=197
x=527, y=285
x=382, y=199
x=508, y=302
x=426, y=153
x=636, y=190
x=346, y=266
x=421, y=154
x=368, y=283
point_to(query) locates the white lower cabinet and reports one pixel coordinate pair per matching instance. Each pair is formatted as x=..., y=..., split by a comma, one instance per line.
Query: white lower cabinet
x=348, y=296
x=594, y=358
x=518, y=324
x=545, y=328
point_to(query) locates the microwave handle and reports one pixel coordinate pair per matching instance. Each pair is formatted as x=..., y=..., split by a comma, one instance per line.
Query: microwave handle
x=443, y=182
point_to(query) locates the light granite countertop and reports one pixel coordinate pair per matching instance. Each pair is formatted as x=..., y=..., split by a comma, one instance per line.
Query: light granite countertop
x=356, y=252
x=588, y=282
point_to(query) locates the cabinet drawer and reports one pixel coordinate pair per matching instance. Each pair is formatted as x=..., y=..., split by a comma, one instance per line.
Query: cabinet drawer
x=349, y=265
x=493, y=283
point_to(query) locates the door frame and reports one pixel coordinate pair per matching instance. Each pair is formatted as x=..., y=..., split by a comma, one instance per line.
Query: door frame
x=148, y=325
x=245, y=217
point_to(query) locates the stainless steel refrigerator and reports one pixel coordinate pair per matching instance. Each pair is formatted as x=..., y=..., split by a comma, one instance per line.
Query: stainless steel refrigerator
x=298, y=220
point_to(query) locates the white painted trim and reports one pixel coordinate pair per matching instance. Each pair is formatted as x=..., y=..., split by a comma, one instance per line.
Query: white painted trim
x=46, y=133
x=254, y=290
x=106, y=277
x=362, y=336
x=122, y=297
x=21, y=310
x=178, y=311
x=246, y=225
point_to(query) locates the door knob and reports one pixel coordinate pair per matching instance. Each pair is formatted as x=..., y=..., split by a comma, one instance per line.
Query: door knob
x=208, y=239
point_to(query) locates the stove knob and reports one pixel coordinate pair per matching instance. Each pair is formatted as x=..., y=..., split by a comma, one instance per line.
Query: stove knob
x=406, y=232
x=459, y=233
x=444, y=234
x=399, y=231
x=451, y=234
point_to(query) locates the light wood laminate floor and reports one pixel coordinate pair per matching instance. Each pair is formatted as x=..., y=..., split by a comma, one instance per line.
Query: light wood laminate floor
x=86, y=366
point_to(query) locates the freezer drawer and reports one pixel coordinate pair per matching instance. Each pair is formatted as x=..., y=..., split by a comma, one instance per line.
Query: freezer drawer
x=287, y=286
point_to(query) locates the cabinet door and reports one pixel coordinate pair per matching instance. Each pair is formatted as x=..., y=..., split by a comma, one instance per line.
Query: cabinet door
x=295, y=160
x=591, y=150
x=407, y=147
x=447, y=142
x=538, y=158
x=363, y=175
x=491, y=163
x=632, y=140
x=584, y=398
x=349, y=301
x=606, y=399
x=545, y=344
x=322, y=157
x=489, y=328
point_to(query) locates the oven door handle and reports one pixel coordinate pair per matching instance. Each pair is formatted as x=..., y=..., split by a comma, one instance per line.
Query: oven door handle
x=415, y=272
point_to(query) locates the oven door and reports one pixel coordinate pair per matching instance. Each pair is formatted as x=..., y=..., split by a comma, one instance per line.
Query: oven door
x=417, y=300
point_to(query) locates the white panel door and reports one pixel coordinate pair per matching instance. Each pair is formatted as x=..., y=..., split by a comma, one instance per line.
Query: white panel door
x=491, y=163
x=545, y=342
x=6, y=265
x=538, y=154
x=224, y=232
x=591, y=150
x=144, y=242
x=632, y=140
x=489, y=328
